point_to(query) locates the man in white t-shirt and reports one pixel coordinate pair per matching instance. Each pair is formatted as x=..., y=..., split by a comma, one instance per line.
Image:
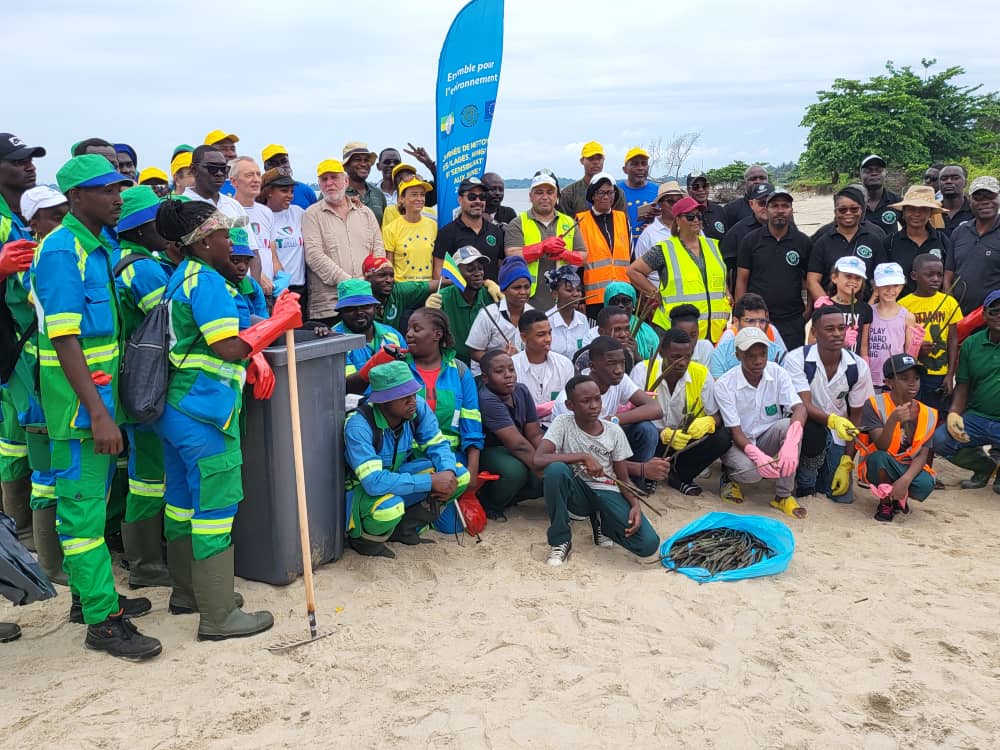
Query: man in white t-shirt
x=543, y=371
x=625, y=405
x=754, y=400
x=210, y=170
x=244, y=174
x=834, y=383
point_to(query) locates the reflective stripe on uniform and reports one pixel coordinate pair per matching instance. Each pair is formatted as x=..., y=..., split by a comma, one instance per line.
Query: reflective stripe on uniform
x=43, y=490
x=12, y=449
x=206, y=363
x=388, y=508
x=78, y=545
x=368, y=467
x=174, y=513
x=145, y=489
x=220, y=329
x=438, y=438
x=472, y=414
x=63, y=324
x=211, y=526
x=94, y=355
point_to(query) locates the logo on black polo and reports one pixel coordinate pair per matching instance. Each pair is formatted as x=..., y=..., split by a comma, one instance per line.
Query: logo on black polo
x=491, y=240
x=792, y=258
x=935, y=251
x=720, y=227
x=864, y=252
x=889, y=217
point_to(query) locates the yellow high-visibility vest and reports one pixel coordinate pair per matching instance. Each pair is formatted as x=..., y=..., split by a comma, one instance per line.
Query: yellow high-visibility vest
x=685, y=285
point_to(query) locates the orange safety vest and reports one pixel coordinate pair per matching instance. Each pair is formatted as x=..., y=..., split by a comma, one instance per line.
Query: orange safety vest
x=926, y=424
x=604, y=264
x=769, y=332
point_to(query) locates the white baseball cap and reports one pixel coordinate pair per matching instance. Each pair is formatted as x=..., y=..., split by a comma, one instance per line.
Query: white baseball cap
x=544, y=179
x=40, y=196
x=889, y=274
x=747, y=337
x=851, y=264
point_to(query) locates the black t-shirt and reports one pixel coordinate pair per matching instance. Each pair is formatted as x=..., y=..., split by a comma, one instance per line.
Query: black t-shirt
x=736, y=211
x=457, y=234
x=777, y=268
x=885, y=218
x=713, y=220
x=828, y=245
x=504, y=215
x=497, y=414
x=961, y=215
x=899, y=248
x=730, y=245
x=861, y=317
x=976, y=259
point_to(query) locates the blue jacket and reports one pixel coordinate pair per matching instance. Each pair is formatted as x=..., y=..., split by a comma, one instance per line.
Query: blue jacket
x=358, y=358
x=377, y=472
x=456, y=403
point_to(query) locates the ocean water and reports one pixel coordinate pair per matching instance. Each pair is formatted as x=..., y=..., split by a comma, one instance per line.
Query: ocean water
x=517, y=198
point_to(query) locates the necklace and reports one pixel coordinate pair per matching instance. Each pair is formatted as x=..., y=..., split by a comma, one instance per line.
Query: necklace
x=539, y=375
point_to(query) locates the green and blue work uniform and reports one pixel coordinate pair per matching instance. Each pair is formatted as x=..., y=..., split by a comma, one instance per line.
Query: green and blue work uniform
x=73, y=288
x=200, y=423
x=456, y=407
x=382, y=484
x=358, y=358
x=140, y=288
x=250, y=302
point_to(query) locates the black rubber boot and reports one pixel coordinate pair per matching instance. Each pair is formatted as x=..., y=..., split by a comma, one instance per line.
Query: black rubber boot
x=17, y=505
x=9, y=632
x=120, y=638
x=47, y=546
x=212, y=580
x=370, y=548
x=134, y=607
x=145, y=553
x=407, y=531
x=179, y=558
x=978, y=463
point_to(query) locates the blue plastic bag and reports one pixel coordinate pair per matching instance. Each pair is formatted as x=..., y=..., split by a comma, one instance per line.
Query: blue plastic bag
x=774, y=534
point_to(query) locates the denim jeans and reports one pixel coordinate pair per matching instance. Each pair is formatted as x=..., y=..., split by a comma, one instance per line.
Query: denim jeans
x=981, y=431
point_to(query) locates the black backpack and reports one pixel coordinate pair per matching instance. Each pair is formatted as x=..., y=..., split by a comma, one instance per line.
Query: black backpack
x=145, y=367
x=810, y=368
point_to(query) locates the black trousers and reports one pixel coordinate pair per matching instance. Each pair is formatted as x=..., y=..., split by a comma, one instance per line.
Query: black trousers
x=691, y=463
x=814, y=437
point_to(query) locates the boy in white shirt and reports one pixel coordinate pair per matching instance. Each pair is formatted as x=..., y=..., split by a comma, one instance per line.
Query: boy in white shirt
x=752, y=399
x=544, y=372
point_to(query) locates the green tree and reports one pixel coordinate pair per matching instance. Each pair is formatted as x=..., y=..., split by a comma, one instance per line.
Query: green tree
x=729, y=173
x=903, y=117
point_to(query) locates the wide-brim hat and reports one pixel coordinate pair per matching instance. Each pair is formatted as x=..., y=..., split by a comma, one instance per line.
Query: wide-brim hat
x=919, y=196
x=391, y=381
x=357, y=148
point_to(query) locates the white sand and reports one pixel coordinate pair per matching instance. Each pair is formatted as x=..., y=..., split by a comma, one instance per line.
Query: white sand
x=877, y=636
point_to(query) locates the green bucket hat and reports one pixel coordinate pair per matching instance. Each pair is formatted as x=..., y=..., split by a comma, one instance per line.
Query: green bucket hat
x=240, y=240
x=353, y=293
x=139, y=205
x=89, y=170
x=391, y=381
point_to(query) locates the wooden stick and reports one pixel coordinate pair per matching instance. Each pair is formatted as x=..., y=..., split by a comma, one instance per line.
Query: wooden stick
x=496, y=325
x=564, y=305
x=300, y=483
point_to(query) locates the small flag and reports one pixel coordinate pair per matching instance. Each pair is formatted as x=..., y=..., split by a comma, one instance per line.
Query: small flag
x=449, y=270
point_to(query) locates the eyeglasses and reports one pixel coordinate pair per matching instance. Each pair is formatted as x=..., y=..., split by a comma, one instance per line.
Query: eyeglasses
x=606, y=193
x=693, y=216
x=992, y=311
x=214, y=168
x=475, y=197
x=759, y=322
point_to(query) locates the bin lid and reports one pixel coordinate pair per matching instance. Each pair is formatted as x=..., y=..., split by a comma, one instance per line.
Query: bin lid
x=310, y=346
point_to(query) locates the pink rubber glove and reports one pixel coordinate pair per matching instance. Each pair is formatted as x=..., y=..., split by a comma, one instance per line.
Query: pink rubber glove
x=916, y=339
x=822, y=302
x=850, y=337
x=764, y=463
x=881, y=491
x=544, y=409
x=788, y=456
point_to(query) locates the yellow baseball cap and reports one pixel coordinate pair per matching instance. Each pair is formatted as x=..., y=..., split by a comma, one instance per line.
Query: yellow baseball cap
x=592, y=148
x=152, y=173
x=329, y=165
x=403, y=167
x=220, y=135
x=404, y=186
x=271, y=151
x=634, y=152
x=179, y=162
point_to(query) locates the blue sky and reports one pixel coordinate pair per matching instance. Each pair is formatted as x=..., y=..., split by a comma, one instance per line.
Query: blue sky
x=313, y=76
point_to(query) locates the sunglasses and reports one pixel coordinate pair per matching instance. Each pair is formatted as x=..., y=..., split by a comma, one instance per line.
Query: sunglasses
x=849, y=210
x=214, y=168
x=993, y=311
x=475, y=197
x=693, y=216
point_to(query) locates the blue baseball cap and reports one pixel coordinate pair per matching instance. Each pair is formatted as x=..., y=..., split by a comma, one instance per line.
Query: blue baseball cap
x=991, y=298
x=241, y=242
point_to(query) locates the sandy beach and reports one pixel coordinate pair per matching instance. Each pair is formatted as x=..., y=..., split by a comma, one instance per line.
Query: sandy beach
x=877, y=636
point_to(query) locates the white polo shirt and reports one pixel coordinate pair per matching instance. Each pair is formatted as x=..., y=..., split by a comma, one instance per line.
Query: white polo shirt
x=484, y=334
x=833, y=396
x=754, y=409
x=544, y=380
x=567, y=340
x=674, y=404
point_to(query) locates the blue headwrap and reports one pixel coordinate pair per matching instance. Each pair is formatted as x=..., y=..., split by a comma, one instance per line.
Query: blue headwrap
x=128, y=150
x=512, y=269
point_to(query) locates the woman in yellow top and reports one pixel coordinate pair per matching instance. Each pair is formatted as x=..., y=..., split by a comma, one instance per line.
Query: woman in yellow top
x=409, y=241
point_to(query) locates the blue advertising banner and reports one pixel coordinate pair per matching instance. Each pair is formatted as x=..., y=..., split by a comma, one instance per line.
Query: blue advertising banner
x=467, y=83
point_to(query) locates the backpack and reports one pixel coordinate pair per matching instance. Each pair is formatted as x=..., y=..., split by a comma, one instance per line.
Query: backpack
x=145, y=368
x=810, y=368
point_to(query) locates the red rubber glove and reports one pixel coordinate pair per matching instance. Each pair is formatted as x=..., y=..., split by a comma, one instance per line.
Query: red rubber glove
x=554, y=246
x=970, y=324
x=100, y=377
x=388, y=353
x=532, y=253
x=16, y=256
x=568, y=256
x=261, y=377
x=286, y=316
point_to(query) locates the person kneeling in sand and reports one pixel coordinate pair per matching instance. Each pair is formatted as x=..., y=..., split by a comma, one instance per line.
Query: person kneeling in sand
x=387, y=482
x=753, y=399
x=896, y=437
x=581, y=456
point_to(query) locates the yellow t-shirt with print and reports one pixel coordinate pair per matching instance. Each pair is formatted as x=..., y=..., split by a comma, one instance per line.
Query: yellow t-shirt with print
x=411, y=244
x=936, y=322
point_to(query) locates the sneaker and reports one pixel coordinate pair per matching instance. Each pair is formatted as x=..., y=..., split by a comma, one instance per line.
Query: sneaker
x=137, y=606
x=685, y=488
x=559, y=553
x=885, y=512
x=599, y=539
x=498, y=516
x=731, y=493
x=119, y=637
x=901, y=507
x=575, y=517
x=649, y=485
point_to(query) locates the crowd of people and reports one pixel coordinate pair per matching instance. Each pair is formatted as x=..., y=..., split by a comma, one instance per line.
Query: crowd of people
x=616, y=335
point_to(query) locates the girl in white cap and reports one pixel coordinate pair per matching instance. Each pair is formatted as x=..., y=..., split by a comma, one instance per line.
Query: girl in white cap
x=890, y=332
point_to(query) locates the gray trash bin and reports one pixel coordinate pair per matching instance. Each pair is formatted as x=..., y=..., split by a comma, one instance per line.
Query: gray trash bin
x=266, y=532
